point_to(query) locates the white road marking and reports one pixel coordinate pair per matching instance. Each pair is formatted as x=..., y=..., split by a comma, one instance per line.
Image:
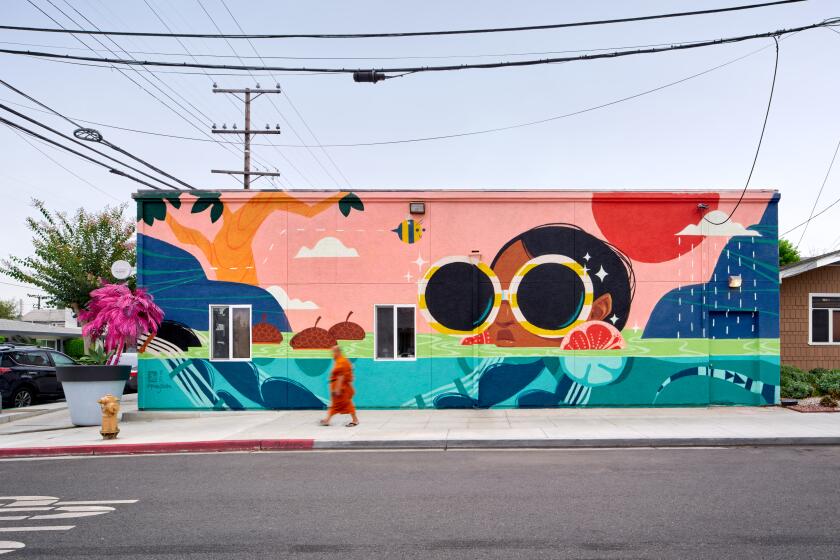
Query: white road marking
x=10, y=546
x=11, y=509
x=37, y=528
x=94, y=502
x=12, y=517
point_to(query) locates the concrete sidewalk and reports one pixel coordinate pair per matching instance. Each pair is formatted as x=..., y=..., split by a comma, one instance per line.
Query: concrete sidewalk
x=52, y=433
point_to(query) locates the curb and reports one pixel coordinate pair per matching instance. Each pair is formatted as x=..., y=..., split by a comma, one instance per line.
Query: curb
x=160, y=448
x=254, y=445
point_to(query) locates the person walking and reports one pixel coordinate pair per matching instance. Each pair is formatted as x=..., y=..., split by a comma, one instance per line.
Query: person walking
x=341, y=390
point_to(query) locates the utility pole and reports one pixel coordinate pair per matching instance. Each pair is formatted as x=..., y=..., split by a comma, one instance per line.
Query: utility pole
x=39, y=297
x=248, y=96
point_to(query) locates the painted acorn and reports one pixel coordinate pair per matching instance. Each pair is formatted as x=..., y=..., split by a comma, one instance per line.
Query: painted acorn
x=347, y=330
x=266, y=333
x=312, y=338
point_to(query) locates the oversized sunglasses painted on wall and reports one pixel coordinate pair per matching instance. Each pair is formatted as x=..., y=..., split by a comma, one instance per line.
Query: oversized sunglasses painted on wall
x=549, y=295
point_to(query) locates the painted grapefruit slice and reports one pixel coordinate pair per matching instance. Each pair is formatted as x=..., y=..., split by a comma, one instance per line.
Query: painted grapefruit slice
x=593, y=335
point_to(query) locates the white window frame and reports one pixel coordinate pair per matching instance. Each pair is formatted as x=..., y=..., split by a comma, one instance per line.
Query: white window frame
x=394, y=307
x=231, y=307
x=831, y=311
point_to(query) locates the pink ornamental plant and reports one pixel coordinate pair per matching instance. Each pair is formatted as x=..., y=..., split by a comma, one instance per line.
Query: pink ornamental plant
x=119, y=315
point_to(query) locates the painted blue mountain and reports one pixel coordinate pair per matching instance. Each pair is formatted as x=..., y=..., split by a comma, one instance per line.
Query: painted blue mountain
x=178, y=283
x=712, y=309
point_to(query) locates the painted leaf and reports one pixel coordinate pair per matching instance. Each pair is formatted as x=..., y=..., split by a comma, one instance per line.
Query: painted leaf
x=349, y=202
x=216, y=211
x=149, y=211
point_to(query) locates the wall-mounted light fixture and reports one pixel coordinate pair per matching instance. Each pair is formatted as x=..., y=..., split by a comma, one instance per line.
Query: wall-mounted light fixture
x=735, y=281
x=417, y=207
x=475, y=256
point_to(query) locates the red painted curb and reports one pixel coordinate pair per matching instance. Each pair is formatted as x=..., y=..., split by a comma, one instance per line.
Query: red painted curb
x=167, y=447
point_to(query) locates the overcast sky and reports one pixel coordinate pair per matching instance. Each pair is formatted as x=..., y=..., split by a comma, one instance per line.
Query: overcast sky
x=699, y=134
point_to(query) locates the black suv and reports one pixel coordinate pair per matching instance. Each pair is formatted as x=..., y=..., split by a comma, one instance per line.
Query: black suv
x=28, y=373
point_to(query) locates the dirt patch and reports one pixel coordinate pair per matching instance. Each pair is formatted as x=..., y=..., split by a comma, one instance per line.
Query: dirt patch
x=812, y=404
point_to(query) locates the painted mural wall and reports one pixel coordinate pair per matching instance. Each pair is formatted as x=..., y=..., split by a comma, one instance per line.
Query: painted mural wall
x=488, y=299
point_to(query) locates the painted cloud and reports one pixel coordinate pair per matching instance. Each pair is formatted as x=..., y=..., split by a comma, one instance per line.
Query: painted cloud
x=325, y=248
x=287, y=304
x=711, y=226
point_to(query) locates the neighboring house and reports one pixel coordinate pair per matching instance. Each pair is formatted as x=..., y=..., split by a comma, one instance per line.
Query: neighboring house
x=54, y=317
x=43, y=335
x=460, y=299
x=810, y=312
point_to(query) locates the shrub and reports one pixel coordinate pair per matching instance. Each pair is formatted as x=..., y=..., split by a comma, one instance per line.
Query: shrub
x=75, y=348
x=828, y=401
x=794, y=389
x=829, y=383
x=818, y=371
x=793, y=373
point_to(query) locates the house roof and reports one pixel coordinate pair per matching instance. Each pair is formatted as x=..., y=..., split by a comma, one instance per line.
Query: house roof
x=810, y=263
x=10, y=327
x=44, y=316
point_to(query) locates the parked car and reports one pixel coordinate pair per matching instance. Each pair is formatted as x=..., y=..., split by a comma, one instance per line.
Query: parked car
x=130, y=359
x=27, y=374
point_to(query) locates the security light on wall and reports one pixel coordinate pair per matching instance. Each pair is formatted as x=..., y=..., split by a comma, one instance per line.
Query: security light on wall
x=735, y=281
x=417, y=207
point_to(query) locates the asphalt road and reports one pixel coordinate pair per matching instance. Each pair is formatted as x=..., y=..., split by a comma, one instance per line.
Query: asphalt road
x=688, y=503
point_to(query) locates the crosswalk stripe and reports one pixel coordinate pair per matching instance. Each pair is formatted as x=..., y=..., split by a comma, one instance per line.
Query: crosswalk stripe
x=40, y=528
x=94, y=502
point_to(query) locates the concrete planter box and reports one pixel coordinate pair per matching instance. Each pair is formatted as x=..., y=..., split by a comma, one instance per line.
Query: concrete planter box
x=85, y=385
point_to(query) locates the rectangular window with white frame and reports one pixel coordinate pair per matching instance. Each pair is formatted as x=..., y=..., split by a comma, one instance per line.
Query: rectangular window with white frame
x=230, y=332
x=824, y=320
x=394, y=332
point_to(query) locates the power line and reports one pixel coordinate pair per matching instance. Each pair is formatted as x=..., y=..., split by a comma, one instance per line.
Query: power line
x=824, y=210
x=135, y=82
x=760, y=140
x=72, y=151
x=407, y=57
x=295, y=109
x=282, y=116
x=65, y=168
x=101, y=140
x=84, y=145
x=467, y=133
x=445, y=68
x=819, y=193
x=408, y=33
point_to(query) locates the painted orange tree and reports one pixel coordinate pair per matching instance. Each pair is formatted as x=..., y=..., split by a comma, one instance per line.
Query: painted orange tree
x=229, y=252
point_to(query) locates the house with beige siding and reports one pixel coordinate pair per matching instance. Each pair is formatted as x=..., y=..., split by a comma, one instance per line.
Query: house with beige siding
x=810, y=312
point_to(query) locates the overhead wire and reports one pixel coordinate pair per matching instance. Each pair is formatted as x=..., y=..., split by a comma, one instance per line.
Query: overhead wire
x=412, y=57
x=101, y=141
x=187, y=51
x=472, y=132
x=62, y=166
x=285, y=94
x=471, y=31
x=140, y=85
x=271, y=101
x=84, y=145
x=760, y=140
x=443, y=68
x=81, y=155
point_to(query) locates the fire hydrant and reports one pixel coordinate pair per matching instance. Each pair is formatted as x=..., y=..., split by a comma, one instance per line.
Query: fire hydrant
x=110, y=408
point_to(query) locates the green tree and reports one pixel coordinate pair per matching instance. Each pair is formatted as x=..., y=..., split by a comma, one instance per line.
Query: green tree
x=72, y=253
x=8, y=309
x=787, y=252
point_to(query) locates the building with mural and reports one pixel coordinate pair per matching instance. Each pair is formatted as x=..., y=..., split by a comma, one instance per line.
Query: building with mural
x=460, y=299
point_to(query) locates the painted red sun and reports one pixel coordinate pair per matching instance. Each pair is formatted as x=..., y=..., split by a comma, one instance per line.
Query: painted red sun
x=645, y=230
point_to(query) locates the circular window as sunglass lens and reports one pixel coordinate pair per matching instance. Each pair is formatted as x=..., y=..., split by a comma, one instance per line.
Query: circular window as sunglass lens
x=550, y=296
x=459, y=296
